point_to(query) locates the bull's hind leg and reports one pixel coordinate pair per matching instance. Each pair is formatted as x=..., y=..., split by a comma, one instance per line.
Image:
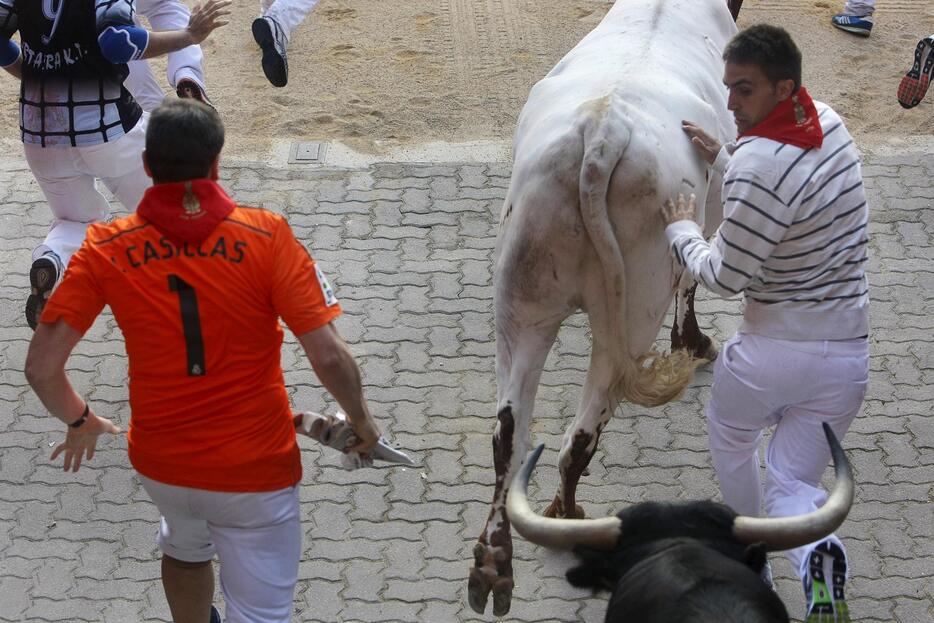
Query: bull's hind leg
x=684, y=330
x=580, y=439
x=520, y=355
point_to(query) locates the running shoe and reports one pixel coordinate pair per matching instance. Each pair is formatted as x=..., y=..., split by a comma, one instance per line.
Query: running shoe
x=189, y=89
x=857, y=24
x=44, y=275
x=915, y=83
x=271, y=39
x=824, y=585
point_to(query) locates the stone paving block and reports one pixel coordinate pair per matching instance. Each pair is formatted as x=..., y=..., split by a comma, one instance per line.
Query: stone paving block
x=363, y=580
x=383, y=611
x=320, y=601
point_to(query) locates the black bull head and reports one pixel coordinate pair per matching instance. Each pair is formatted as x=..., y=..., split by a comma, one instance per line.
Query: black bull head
x=687, y=561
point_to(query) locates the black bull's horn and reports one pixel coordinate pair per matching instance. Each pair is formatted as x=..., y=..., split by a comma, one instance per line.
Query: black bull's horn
x=778, y=533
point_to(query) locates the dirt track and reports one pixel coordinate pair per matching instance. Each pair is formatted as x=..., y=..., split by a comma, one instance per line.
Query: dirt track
x=378, y=74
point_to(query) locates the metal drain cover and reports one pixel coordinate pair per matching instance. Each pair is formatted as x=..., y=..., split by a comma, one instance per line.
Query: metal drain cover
x=308, y=152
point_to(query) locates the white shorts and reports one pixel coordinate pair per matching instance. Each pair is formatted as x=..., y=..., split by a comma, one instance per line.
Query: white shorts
x=257, y=538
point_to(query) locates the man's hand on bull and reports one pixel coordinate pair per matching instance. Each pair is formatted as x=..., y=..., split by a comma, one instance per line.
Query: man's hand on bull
x=707, y=145
x=683, y=211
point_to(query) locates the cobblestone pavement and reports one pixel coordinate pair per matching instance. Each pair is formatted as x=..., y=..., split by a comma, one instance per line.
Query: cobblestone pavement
x=409, y=250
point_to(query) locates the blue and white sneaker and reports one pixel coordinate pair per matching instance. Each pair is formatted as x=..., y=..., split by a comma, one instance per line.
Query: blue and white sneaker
x=857, y=24
x=824, y=585
x=215, y=615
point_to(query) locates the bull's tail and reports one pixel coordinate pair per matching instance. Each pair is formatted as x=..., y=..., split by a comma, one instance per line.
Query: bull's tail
x=653, y=378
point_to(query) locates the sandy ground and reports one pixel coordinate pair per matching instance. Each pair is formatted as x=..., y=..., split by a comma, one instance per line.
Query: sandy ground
x=400, y=72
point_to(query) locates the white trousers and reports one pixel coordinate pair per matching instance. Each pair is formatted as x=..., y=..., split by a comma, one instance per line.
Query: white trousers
x=859, y=7
x=794, y=386
x=185, y=63
x=257, y=538
x=289, y=14
x=67, y=176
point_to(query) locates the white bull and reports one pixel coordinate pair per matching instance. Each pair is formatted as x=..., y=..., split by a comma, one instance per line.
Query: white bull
x=599, y=147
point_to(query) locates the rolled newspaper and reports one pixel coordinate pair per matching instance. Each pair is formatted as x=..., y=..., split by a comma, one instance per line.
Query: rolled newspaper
x=335, y=431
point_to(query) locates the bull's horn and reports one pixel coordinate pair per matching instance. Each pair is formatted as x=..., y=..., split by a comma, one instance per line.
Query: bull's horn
x=600, y=534
x=780, y=533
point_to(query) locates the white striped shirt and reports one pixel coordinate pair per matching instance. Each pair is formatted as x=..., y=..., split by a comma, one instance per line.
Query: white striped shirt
x=794, y=237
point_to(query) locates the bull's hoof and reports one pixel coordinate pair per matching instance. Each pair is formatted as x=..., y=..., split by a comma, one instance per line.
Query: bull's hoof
x=478, y=590
x=502, y=596
x=556, y=510
x=479, y=586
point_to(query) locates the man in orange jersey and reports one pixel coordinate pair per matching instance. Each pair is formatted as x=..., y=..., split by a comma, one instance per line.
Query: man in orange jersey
x=197, y=285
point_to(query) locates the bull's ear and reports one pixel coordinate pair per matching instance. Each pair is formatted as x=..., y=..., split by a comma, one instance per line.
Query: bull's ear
x=756, y=556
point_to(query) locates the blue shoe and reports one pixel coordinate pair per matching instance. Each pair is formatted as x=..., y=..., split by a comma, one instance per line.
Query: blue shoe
x=856, y=24
x=215, y=615
x=824, y=585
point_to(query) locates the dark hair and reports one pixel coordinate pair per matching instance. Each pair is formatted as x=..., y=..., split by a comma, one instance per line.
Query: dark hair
x=768, y=47
x=182, y=140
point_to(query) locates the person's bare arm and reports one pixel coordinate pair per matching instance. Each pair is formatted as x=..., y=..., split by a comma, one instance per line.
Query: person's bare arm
x=45, y=370
x=335, y=366
x=15, y=69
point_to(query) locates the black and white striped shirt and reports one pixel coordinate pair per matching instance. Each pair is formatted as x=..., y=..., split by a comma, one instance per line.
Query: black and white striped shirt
x=794, y=237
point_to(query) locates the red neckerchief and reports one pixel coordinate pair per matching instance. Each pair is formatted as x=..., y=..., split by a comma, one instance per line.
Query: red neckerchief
x=793, y=121
x=186, y=211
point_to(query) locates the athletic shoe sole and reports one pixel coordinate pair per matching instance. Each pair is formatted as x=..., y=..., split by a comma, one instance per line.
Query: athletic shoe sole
x=42, y=278
x=914, y=84
x=189, y=89
x=827, y=600
x=862, y=32
x=274, y=65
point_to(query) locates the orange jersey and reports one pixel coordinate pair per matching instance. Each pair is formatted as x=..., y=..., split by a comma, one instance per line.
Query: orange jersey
x=201, y=324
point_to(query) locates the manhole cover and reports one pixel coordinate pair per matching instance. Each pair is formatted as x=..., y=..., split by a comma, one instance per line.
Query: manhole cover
x=308, y=152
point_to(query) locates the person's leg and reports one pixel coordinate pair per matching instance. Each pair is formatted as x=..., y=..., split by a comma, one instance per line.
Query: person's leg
x=289, y=14
x=143, y=86
x=119, y=165
x=272, y=31
x=185, y=541
x=258, y=538
x=798, y=455
x=189, y=589
x=859, y=7
x=738, y=410
x=75, y=202
x=71, y=195
x=185, y=68
x=174, y=15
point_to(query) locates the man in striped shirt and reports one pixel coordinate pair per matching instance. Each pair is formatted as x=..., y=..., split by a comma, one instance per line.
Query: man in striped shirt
x=794, y=242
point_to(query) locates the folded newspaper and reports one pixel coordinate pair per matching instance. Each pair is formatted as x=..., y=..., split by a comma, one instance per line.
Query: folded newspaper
x=335, y=431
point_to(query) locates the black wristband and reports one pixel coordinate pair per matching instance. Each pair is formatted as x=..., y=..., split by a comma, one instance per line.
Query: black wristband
x=84, y=416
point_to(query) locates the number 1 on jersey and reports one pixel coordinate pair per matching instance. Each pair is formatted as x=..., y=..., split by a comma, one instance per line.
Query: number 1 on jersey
x=191, y=324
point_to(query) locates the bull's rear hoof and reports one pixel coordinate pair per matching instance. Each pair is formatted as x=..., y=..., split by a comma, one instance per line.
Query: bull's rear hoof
x=556, y=510
x=502, y=596
x=478, y=590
